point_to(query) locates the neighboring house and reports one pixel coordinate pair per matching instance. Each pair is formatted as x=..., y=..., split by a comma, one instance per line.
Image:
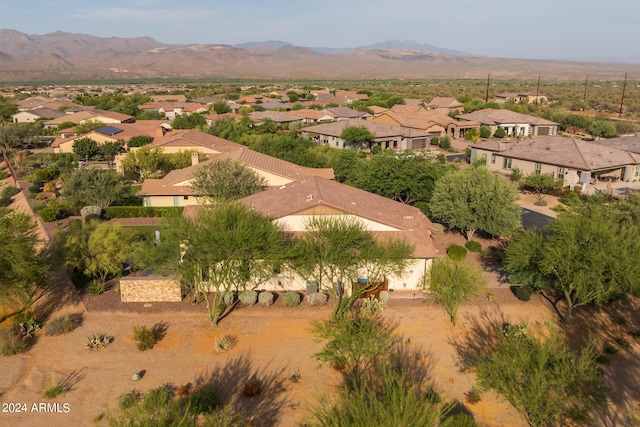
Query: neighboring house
x=174, y=189
x=87, y=116
x=32, y=103
x=520, y=98
x=293, y=204
x=515, y=124
x=31, y=116
x=112, y=133
x=387, y=136
x=280, y=118
x=169, y=98
x=433, y=122
x=340, y=97
x=446, y=104
x=312, y=116
x=210, y=118
x=629, y=143
x=191, y=139
x=345, y=113
x=173, y=109
x=576, y=161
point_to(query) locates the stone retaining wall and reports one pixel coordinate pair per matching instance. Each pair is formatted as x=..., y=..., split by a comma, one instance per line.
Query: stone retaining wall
x=150, y=289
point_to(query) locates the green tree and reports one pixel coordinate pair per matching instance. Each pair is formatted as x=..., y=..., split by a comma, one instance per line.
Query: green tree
x=444, y=142
x=224, y=180
x=334, y=252
x=357, y=136
x=23, y=265
x=144, y=161
x=139, y=141
x=85, y=148
x=485, y=131
x=542, y=184
x=228, y=248
x=473, y=199
x=500, y=133
x=452, y=283
x=189, y=121
x=345, y=165
x=64, y=162
x=268, y=126
x=228, y=128
x=544, y=380
x=602, y=128
x=584, y=256
x=95, y=187
x=404, y=177
x=293, y=96
x=221, y=107
x=111, y=149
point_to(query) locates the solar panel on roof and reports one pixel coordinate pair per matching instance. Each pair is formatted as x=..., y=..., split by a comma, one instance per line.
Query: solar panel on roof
x=109, y=130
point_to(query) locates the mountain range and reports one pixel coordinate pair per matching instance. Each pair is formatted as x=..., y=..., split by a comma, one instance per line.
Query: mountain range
x=62, y=56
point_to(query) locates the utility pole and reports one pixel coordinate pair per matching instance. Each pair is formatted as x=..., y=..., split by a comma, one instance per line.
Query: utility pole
x=584, y=97
x=624, y=86
x=486, y=96
x=538, y=91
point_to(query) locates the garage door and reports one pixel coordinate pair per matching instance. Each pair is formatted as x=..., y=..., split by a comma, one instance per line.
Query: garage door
x=543, y=130
x=419, y=143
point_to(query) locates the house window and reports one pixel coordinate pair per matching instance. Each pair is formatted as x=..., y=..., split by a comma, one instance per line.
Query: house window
x=538, y=168
x=560, y=172
x=506, y=163
x=637, y=170
x=493, y=159
x=484, y=158
x=185, y=198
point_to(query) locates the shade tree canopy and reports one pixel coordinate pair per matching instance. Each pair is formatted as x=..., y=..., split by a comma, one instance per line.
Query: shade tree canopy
x=224, y=180
x=95, y=187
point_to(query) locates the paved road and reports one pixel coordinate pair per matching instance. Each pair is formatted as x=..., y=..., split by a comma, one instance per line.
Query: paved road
x=532, y=219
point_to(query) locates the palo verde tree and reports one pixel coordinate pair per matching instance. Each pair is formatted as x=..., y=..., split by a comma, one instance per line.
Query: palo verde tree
x=95, y=187
x=228, y=248
x=144, y=161
x=357, y=137
x=586, y=255
x=334, y=252
x=542, y=184
x=473, y=199
x=223, y=180
x=23, y=264
x=543, y=379
x=451, y=283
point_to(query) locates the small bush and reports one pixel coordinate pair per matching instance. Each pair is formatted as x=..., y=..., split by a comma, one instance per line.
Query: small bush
x=9, y=191
x=558, y=208
x=28, y=324
x=50, y=187
x=229, y=298
x=473, y=246
x=63, y=324
x=144, y=337
x=317, y=299
x=439, y=229
x=516, y=174
x=541, y=202
x=96, y=287
x=248, y=297
x=251, y=389
x=48, y=214
x=291, y=299
x=90, y=210
x=4, y=174
x=609, y=349
x=622, y=342
x=373, y=305
x=204, y=400
x=435, y=140
x=456, y=252
x=34, y=189
x=474, y=395
x=12, y=341
x=265, y=298
x=98, y=341
x=451, y=150
x=444, y=142
x=129, y=400
x=385, y=296
x=523, y=293
x=55, y=390
x=225, y=343
x=571, y=198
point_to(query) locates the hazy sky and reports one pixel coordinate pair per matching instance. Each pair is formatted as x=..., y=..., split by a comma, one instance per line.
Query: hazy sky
x=553, y=29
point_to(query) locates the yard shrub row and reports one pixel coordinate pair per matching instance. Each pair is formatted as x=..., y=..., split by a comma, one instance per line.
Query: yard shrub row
x=141, y=211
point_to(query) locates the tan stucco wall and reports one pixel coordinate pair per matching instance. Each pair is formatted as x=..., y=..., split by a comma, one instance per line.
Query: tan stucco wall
x=150, y=289
x=158, y=201
x=297, y=222
x=527, y=167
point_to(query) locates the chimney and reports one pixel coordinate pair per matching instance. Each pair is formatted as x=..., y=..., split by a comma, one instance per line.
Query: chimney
x=195, y=158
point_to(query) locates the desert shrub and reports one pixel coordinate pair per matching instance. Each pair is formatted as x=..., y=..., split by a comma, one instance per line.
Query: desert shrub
x=474, y=395
x=317, y=299
x=265, y=298
x=12, y=341
x=516, y=174
x=439, y=229
x=571, y=198
x=205, y=400
x=225, y=343
x=48, y=214
x=50, y=187
x=95, y=287
x=444, y=142
x=540, y=202
x=40, y=175
x=9, y=191
x=248, y=297
x=373, y=305
x=55, y=389
x=485, y=131
x=291, y=299
x=28, y=324
x=473, y=246
x=63, y=324
x=385, y=296
x=251, y=389
x=90, y=210
x=456, y=252
x=558, y=208
x=451, y=150
x=144, y=337
x=35, y=189
x=229, y=298
x=523, y=293
x=435, y=140
x=98, y=341
x=500, y=133
x=4, y=174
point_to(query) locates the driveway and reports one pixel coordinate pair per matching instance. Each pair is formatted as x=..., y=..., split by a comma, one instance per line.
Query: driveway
x=531, y=219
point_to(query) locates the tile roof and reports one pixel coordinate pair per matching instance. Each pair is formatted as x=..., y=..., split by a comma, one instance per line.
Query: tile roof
x=196, y=137
x=345, y=112
x=311, y=114
x=445, y=102
x=565, y=152
x=626, y=143
x=314, y=191
x=489, y=116
x=421, y=119
x=379, y=130
x=276, y=116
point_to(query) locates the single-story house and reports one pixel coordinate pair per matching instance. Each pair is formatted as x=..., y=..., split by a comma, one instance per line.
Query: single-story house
x=293, y=204
x=434, y=122
x=345, y=113
x=175, y=190
x=516, y=124
x=387, y=136
x=191, y=139
x=279, y=117
x=31, y=116
x=520, y=98
x=445, y=104
x=576, y=161
x=312, y=116
x=93, y=115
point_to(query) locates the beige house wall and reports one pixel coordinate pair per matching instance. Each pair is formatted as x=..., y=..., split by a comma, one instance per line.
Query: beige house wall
x=297, y=222
x=150, y=289
x=159, y=201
